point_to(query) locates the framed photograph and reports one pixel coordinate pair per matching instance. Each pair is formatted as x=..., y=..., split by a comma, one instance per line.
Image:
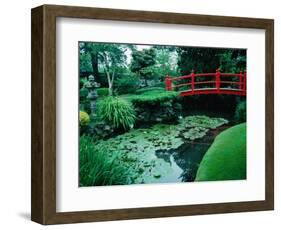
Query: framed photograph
x=139, y=114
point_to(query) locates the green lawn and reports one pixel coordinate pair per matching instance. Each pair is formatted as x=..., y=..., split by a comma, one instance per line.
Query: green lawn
x=226, y=158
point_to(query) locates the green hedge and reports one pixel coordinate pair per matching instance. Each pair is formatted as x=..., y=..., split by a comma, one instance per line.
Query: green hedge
x=152, y=96
x=102, y=92
x=226, y=158
x=155, y=106
x=149, y=89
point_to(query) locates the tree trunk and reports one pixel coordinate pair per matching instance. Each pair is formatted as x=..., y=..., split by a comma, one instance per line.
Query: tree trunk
x=110, y=93
x=110, y=83
x=94, y=62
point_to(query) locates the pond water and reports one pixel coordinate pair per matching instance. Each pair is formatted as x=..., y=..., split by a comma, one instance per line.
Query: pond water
x=184, y=161
x=165, y=152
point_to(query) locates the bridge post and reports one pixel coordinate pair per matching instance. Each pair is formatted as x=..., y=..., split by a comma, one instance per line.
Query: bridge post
x=168, y=83
x=241, y=83
x=244, y=81
x=218, y=75
x=192, y=81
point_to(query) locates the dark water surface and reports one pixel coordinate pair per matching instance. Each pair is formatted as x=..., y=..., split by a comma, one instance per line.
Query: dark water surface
x=185, y=160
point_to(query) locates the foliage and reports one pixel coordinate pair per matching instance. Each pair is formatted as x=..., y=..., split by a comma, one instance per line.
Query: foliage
x=204, y=122
x=233, y=61
x=98, y=166
x=226, y=158
x=84, y=118
x=82, y=81
x=161, y=84
x=102, y=130
x=149, y=89
x=116, y=111
x=83, y=93
x=240, y=112
x=137, y=148
x=152, y=96
x=142, y=61
x=204, y=60
x=110, y=58
x=154, y=105
x=102, y=92
x=85, y=62
x=195, y=133
x=127, y=84
x=166, y=62
x=85, y=105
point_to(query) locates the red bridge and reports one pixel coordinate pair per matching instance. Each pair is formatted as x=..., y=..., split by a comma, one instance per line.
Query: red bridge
x=216, y=83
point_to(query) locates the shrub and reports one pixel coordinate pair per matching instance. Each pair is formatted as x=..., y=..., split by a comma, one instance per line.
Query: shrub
x=149, y=89
x=84, y=118
x=155, y=106
x=127, y=84
x=152, y=97
x=102, y=130
x=116, y=111
x=226, y=158
x=85, y=105
x=240, y=112
x=98, y=166
x=160, y=85
x=102, y=92
x=83, y=93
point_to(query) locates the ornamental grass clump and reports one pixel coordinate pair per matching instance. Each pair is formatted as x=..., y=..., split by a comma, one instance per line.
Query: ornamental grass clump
x=98, y=166
x=117, y=112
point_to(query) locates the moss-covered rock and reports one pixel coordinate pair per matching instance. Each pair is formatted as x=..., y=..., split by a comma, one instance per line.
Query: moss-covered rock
x=226, y=158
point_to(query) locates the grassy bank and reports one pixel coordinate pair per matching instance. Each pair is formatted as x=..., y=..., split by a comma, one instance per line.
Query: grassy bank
x=226, y=158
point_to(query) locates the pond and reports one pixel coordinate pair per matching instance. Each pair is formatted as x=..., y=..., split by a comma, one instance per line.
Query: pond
x=166, y=152
x=184, y=161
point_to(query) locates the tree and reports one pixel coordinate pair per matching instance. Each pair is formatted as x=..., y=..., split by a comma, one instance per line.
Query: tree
x=209, y=59
x=142, y=63
x=89, y=58
x=107, y=58
x=233, y=60
x=166, y=61
x=112, y=59
x=85, y=63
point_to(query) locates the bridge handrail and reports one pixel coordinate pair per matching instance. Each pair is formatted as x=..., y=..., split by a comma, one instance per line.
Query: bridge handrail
x=241, y=83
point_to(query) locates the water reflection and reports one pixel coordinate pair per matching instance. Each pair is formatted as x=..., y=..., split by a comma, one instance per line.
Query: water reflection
x=184, y=161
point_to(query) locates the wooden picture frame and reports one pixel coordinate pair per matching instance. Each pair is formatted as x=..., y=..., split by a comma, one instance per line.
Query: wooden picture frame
x=43, y=208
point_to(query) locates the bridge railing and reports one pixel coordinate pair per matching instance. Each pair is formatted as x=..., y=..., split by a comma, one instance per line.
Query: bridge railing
x=218, y=81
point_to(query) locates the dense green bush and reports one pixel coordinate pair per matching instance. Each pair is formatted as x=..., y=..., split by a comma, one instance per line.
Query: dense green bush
x=226, y=158
x=240, y=112
x=98, y=166
x=161, y=84
x=155, y=106
x=117, y=111
x=127, y=84
x=85, y=105
x=82, y=82
x=149, y=89
x=102, y=92
x=83, y=93
x=152, y=96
